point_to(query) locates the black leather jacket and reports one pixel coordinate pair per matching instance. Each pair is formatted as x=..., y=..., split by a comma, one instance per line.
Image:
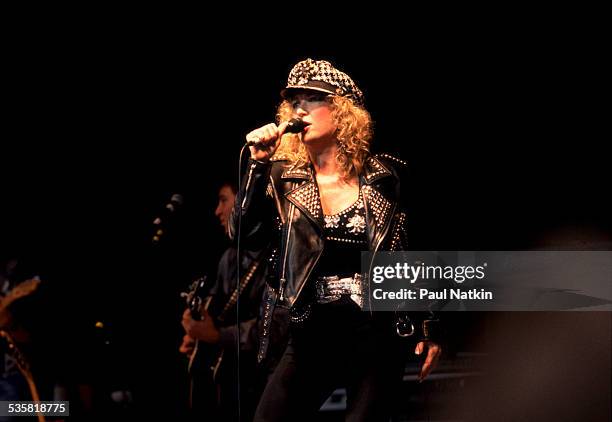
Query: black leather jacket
x=280, y=203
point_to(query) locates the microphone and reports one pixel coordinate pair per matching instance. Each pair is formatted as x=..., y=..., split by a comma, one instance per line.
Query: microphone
x=293, y=126
x=170, y=208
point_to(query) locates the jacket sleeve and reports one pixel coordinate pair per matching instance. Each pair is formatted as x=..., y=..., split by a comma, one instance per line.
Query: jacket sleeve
x=428, y=325
x=253, y=211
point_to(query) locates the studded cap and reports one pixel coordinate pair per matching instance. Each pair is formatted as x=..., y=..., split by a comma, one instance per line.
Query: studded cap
x=321, y=76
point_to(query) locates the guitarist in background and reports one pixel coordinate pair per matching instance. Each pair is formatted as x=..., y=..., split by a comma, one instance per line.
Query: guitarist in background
x=210, y=331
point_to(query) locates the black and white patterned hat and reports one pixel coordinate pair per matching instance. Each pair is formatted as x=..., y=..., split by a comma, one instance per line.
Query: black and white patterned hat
x=321, y=76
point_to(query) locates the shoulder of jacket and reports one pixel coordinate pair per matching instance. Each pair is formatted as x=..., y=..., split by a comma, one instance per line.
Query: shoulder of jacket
x=388, y=159
x=279, y=164
x=279, y=157
x=278, y=170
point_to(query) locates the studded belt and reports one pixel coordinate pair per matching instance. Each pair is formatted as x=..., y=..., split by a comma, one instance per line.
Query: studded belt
x=329, y=289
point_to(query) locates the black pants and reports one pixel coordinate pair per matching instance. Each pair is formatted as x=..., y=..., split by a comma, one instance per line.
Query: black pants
x=340, y=346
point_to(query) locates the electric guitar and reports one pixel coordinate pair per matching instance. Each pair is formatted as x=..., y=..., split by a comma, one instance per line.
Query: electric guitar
x=21, y=290
x=203, y=364
x=205, y=359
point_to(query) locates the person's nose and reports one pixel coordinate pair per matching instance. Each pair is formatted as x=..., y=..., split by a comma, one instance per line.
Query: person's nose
x=300, y=110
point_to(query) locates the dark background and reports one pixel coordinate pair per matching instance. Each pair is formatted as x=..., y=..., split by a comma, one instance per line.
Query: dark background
x=503, y=138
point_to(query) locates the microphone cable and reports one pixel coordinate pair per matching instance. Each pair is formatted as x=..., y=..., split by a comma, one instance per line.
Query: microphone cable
x=238, y=206
x=293, y=126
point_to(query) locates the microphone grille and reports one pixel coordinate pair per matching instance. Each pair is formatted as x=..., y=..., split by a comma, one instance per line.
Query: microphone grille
x=295, y=126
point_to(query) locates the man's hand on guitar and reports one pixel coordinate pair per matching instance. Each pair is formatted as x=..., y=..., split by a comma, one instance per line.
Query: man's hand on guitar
x=203, y=330
x=187, y=345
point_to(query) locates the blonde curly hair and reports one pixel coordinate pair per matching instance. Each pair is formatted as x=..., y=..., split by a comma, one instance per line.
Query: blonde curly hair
x=354, y=129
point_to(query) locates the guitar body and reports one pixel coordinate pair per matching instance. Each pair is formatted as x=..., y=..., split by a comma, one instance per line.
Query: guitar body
x=205, y=363
x=205, y=360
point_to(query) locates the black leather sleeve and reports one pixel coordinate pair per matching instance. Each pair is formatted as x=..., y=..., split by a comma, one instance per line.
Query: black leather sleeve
x=254, y=209
x=428, y=326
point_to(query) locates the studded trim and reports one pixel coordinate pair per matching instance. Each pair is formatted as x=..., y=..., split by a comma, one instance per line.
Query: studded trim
x=299, y=316
x=399, y=236
x=306, y=197
x=297, y=173
x=280, y=157
x=267, y=321
x=374, y=170
x=392, y=158
x=380, y=206
x=332, y=220
x=352, y=241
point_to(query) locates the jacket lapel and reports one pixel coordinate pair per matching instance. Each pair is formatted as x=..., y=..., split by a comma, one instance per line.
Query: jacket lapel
x=379, y=209
x=306, y=196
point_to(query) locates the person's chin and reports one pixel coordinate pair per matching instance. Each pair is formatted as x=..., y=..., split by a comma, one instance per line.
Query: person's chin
x=307, y=137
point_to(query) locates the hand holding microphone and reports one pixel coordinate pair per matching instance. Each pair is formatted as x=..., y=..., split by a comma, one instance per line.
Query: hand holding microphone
x=264, y=141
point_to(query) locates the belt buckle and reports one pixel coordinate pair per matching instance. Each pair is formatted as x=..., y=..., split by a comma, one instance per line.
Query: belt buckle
x=331, y=288
x=323, y=291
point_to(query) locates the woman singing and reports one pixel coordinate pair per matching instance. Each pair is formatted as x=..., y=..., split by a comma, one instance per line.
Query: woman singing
x=323, y=198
